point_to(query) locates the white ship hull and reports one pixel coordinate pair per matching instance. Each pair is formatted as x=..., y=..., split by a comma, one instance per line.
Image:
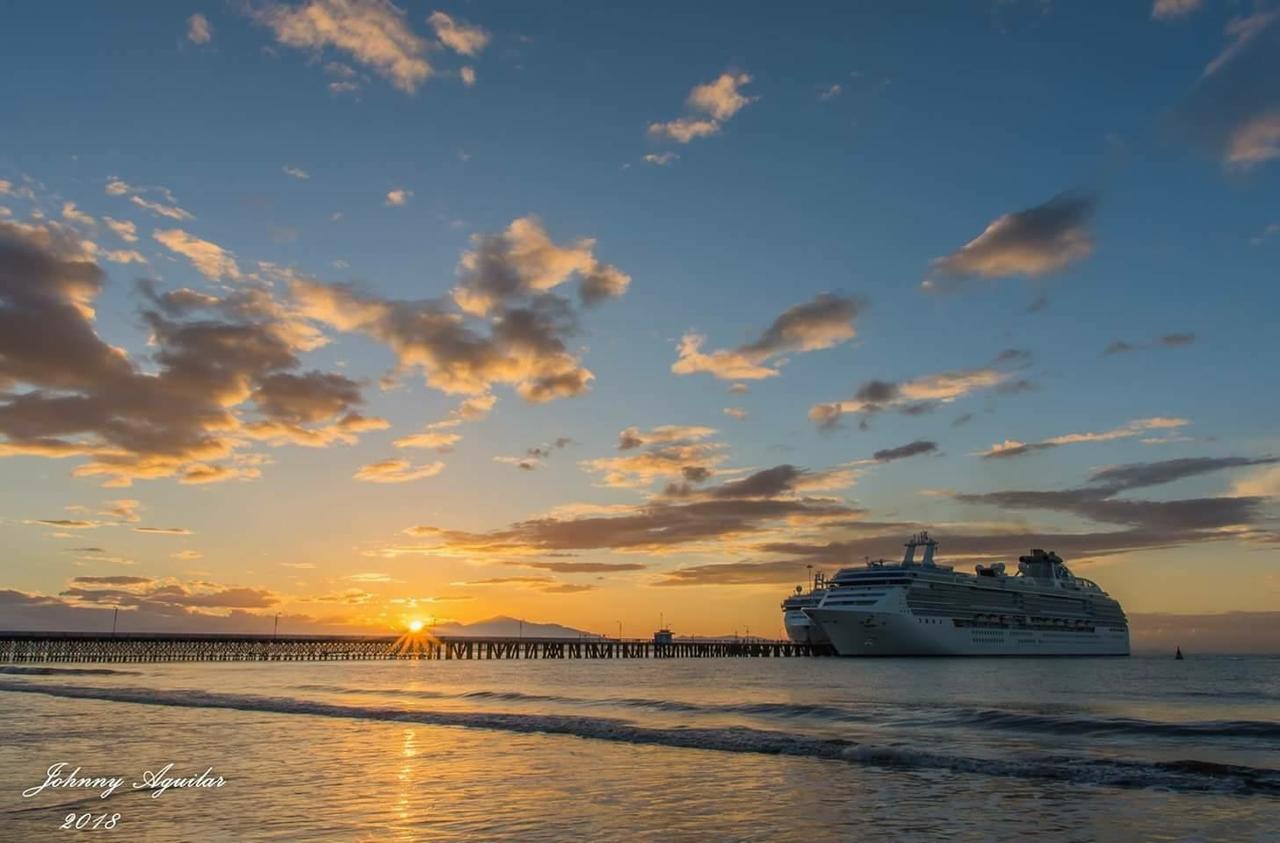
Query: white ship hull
x=872, y=633
x=801, y=629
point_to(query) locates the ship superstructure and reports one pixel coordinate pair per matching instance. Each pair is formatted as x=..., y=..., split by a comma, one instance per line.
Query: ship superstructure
x=799, y=627
x=919, y=607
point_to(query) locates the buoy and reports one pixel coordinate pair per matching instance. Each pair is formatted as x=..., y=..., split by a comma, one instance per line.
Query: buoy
x=1178, y=655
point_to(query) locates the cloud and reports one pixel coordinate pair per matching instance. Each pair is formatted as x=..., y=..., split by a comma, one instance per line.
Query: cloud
x=463, y=38
x=735, y=413
x=296, y=172
x=1137, y=427
x=123, y=229
x=823, y=322
x=712, y=104
x=440, y=441
x=198, y=29
x=830, y=93
x=210, y=259
x=912, y=397
x=397, y=471
x=667, y=452
x=685, y=129
x=67, y=523
x=375, y=33
x=163, y=531
x=660, y=159
x=468, y=76
x=112, y=580
x=534, y=457
x=523, y=261
x=1174, y=340
x=586, y=567
x=1032, y=242
x=74, y=214
x=752, y=506
x=1234, y=109
x=911, y=449
x=182, y=416
x=126, y=509
x=398, y=197
x=521, y=327
x=1173, y=9
x=172, y=212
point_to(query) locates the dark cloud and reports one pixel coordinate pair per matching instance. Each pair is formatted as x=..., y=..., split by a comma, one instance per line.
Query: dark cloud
x=738, y=573
x=586, y=567
x=86, y=398
x=1174, y=340
x=1032, y=242
x=1234, y=109
x=911, y=449
x=744, y=507
x=112, y=580
x=1142, y=475
x=822, y=322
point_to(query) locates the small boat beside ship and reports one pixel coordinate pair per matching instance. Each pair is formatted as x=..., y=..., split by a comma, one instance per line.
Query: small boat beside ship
x=923, y=608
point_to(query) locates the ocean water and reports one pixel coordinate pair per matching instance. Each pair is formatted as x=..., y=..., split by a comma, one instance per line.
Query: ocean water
x=715, y=749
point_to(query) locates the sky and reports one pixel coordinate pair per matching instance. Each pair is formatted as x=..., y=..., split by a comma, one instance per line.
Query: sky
x=359, y=313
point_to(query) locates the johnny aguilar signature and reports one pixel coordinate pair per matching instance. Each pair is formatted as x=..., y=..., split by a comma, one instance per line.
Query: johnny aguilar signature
x=157, y=781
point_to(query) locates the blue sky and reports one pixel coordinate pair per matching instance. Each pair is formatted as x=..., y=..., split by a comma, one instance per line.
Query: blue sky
x=854, y=145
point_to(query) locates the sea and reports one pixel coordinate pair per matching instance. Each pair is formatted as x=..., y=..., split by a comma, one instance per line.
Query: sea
x=1141, y=748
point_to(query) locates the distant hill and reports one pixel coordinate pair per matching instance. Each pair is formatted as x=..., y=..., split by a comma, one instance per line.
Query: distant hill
x=506, y=627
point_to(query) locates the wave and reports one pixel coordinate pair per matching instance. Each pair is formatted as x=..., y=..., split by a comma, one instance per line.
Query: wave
x=1185, y=775
x=54, y=671
x=880, y=713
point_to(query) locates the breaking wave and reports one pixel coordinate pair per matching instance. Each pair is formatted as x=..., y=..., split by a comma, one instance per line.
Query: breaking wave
x=1184, y=775
x=77, y=671
x=895, y=715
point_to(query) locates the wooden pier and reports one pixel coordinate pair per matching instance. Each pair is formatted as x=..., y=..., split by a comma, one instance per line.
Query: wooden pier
x=44, y=647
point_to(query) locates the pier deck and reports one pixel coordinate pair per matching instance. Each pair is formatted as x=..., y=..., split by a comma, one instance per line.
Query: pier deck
x=46, y=647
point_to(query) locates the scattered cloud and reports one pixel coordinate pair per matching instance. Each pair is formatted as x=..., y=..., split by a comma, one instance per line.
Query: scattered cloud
x=125, y=230
x=919, y=395
x=398, y=197
x=397, y=471
x=711, y=105
x=210, y=259
x=534, y=457
x=1173, y=9
x=1033, y=242
x=661, y=159
x=824, y=321
x=751, y=506
x=163, y=531
x=1234, y=109
x=463, y=38
x=296, y=172
x=830, y=92
x=198, y=29
x=125, y=509
x=677, y=453
x=468, y=76
x=911, y=449
x=183, y=415
x=1137, y=427
x=505, y=282
x=438, y=440
x=74, y=214
x=736, y=413
x=1173, y=340
x=374, y=33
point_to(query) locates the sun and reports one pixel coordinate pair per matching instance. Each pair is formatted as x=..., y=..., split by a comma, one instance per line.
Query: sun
x=415, y=625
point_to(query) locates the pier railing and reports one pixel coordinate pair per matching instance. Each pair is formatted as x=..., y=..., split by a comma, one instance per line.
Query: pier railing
x=44, y=647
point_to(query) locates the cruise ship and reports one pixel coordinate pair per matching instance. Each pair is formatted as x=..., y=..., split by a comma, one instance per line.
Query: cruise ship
x=922, y=608
x=797, y=624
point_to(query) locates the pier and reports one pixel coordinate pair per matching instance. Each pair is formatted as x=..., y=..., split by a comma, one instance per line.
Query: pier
x=69, y=647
